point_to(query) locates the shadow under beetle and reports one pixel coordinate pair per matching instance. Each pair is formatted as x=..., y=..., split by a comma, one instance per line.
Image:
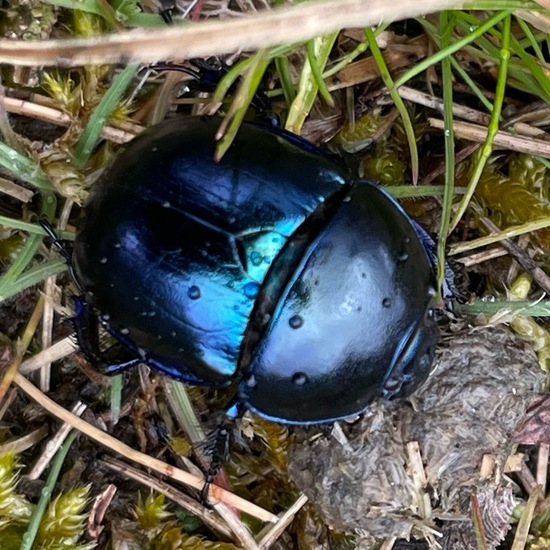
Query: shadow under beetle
x=273, y=269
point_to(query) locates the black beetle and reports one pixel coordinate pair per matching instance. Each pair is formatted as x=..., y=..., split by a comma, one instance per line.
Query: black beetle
x=274, y=269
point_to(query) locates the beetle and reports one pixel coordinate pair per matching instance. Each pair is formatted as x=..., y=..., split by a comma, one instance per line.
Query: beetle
x=275, y=270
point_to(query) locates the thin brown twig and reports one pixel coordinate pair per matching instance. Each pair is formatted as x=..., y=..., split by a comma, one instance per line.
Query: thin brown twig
x=103, y=438
x=539, y=276
x=284, y=25
x=181, y=499
x=55, y=116
x=15, y=191
x=275, y=531
x=474, y=132
x=53, y=445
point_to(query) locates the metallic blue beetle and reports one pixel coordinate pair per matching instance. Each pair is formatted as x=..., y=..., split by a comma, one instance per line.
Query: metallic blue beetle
x=273, y=269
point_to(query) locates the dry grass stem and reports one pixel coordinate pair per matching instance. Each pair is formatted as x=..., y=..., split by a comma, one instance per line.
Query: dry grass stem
x=53, y=445
x=388, y=543
x=25, y=442
x=418, y=476
x=54, y=116
x=47, y=329
x=523, y=259
x=522, y=532
x=181, y=499
x=396, y=56
x=57, y=351
x=99, y=508
x=275, y=531
x=15, y=191
x=527, y=478
x=542, y=464
x=281, y=26
x=484, y=256
x=8, y=400
x=239, y=529
x=474, y=132
x=432, y=102
x=463, y=154
x=103, y=438
x=499, y=236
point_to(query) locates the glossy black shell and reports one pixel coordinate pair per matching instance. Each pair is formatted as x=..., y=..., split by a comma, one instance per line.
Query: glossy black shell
x=272, y=268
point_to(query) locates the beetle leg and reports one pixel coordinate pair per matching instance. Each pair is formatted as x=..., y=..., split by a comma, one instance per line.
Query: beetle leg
x=86, y=326
x=208, y=77
x=449, y=290
x=220, y=446
x=61, y=248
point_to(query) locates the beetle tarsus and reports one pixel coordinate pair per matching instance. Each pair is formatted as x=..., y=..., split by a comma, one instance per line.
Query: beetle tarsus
x=219, y=446
x=220, y=455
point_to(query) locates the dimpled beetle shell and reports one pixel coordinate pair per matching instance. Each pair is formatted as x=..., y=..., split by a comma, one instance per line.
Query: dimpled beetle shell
x=272, y=269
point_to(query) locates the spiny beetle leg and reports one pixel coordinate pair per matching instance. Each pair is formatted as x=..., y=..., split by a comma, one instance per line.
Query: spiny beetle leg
x=220, y=446
x=86, y=325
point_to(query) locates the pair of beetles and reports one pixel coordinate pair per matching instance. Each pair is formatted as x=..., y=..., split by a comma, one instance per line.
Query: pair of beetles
x=274, y=270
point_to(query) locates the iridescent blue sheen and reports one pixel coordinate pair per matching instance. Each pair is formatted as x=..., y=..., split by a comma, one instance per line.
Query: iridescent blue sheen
x=273, y=269
x=354, y=318
x=179, y=234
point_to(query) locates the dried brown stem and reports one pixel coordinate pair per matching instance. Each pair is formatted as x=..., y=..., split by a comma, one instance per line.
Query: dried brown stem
x=103, y=438
x=281, y=26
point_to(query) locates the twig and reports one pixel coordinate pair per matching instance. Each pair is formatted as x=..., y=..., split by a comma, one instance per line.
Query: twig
x=57, y=351
x=103, y=438
x=277, y=530
x=181, y=499
x=54, y=444
x=48, y=114
x=523, y=259
x=474, y=132
x=281, y=26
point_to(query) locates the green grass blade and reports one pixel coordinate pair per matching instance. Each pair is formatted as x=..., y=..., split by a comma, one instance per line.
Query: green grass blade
x=46, y=493
x=523, y=307
x=31, y=277
x=447, y=25
x=399, y=103
x=239, y=106
x=103, y=111
x=23, y=168
x=307, y=86
x=33, y=228
x=316, y=72
x=492, y=130
x=282, y=67
x=452, y=48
